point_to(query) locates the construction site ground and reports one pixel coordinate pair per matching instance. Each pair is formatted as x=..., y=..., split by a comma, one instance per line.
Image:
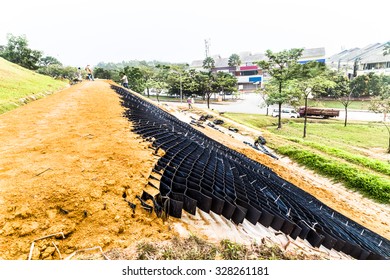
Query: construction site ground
x=67, y=160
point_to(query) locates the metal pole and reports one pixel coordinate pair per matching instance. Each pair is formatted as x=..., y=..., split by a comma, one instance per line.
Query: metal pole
x=181, y=90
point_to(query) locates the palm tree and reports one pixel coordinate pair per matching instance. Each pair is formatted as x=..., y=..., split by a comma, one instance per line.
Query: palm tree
x=234, y=60
x=208, y=63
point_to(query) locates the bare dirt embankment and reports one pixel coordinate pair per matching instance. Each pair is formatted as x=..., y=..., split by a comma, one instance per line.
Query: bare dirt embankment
x=67, y=160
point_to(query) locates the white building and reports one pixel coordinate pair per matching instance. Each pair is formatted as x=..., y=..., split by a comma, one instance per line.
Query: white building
x=363, y=61
x=249, y=75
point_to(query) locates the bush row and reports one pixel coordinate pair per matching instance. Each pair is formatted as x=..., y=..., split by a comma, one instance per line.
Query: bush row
x=373, y=164
x=370, y=185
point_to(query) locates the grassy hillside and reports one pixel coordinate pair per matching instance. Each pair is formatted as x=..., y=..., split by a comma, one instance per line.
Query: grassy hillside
x=19, y=85
x=354, y=155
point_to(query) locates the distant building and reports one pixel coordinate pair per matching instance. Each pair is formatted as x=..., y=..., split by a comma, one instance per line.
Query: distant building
x=314, y=54
x=358, y=61
x=249, y=75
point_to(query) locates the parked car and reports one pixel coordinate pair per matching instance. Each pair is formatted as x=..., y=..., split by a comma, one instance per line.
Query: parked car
x=286, y=113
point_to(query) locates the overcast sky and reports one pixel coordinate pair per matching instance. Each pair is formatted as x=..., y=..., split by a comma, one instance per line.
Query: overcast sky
x=79, y=32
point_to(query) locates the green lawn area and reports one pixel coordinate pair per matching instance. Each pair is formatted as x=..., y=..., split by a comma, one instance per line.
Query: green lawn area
x=355, y=105
x=338, y=152
x=17, y=82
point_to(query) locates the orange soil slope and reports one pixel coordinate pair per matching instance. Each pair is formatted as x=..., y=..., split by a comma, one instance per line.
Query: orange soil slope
x=65, y=162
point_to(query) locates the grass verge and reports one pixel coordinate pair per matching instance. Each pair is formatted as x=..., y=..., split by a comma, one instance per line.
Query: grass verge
x=343, y=154
x=373, y=164
x=19, y=86
x=355, y=105
x=370, y=185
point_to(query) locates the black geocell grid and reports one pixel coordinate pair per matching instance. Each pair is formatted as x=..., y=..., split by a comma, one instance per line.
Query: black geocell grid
x=197, y=171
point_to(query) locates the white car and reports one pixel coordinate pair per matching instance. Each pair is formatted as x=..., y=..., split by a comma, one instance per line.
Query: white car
x=286, y=113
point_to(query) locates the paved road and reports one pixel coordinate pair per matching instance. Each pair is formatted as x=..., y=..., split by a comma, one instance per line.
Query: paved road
x=252, y=104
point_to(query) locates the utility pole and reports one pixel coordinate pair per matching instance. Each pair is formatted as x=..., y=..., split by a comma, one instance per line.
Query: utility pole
x=207, y=47
x=181, y=89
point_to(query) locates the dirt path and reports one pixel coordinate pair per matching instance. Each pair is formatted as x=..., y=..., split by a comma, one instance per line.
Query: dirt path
x=66, y=161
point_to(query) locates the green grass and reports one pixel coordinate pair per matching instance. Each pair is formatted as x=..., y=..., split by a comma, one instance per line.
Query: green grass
x=355, y=105
x=333, y=133
x=18, y=85
x=373, y=164
x=338, y=152
x=326, y=132
x=372, y=186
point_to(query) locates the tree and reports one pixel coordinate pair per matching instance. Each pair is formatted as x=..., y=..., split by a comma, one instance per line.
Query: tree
x=234, y=60
x=208, y=63
x=369, y=85
x=205, y=81
x=381, y=104
x=178, y=81
x=136, y=78
x=159, y=86
x=312, y=80
x=159, y=79
x=17, y=51
x=264, y=96
x=49, y=60
x=282, y=67
x=148, y=74
x=343, y=91
x=386, y=49
x=58, y=71
x=225, y=82
x=105, y=74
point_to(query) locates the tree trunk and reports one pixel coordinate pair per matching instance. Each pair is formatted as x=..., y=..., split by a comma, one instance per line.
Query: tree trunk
x=280, y=116
x=346, y=116
x=208, y=100
x=305, y=122
x=147, y=90
x=388, y=148
x=280, y=108
x=388, y=130
x=267, y=109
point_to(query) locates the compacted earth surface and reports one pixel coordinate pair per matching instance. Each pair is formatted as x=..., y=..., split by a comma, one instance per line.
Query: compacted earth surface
x=70, y=165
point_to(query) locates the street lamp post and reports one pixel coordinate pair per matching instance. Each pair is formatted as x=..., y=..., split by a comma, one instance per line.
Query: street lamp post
x=180, y=72
x=181, y=90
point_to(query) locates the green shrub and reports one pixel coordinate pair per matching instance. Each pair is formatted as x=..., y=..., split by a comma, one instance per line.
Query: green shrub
x=371, y=185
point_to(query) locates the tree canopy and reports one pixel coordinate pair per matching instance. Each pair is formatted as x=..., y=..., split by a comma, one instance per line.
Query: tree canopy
x=208, y=63
x=234, y=60
x=283, y=67
x=381, y=104
x=386, y=49
x=17, y=51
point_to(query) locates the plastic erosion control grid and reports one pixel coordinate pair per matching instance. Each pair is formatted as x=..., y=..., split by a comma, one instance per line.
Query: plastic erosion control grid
x=197, y=171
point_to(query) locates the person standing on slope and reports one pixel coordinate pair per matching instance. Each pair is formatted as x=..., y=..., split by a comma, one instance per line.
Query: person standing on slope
x=89, y=72
x=125, y=81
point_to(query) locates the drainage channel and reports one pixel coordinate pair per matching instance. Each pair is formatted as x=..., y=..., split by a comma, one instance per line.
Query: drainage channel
x=198, y=172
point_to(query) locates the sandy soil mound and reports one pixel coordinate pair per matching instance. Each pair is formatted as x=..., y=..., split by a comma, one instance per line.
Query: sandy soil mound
x=65, y=162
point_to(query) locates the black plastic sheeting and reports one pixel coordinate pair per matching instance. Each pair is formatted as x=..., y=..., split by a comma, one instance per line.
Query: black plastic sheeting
x=197, y=171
